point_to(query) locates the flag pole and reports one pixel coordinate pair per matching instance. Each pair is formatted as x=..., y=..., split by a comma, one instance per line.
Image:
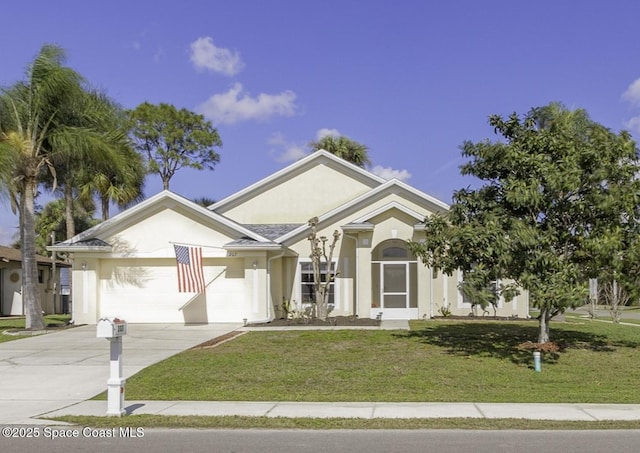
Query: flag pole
x=196, y=245
x=197, y=295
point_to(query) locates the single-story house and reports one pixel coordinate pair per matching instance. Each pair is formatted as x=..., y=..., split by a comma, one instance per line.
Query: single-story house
x=11, y=282
x=255, y=252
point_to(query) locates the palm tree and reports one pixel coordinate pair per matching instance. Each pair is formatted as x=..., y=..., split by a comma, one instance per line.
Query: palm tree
x=343, y=147
x=204, y=201
x=122, y=179
x=121, y=184
x=77, y=178
x=51, y=219
x=6, y=171
x=35, y=128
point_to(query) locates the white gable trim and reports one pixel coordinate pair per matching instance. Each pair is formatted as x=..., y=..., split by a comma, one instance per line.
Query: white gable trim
x=418, y=193
x=393, y=205
x=358, y=226
x=253, y=247
x=164, y=198
x=309, y=161
x=391, y=186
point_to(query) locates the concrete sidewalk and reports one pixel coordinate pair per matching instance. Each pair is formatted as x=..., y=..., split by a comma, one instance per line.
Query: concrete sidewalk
x=531, y=411
x=51, y=371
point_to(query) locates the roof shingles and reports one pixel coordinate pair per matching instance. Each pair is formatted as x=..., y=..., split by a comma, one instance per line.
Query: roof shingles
x=272, y=231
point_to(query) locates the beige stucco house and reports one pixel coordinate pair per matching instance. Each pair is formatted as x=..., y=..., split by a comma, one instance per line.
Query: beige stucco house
x=256, y=252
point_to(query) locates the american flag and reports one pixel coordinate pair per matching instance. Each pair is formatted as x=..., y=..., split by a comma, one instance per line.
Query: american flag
x=190, y=273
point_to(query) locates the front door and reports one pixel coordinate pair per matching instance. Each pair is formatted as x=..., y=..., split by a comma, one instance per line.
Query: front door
x=394, y=277
x=394, y=287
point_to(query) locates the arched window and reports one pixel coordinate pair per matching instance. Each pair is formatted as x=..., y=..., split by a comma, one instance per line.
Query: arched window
x=392, y=250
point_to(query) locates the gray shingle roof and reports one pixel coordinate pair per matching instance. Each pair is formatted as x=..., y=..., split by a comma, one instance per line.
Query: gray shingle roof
x=251, y=243
x=91, y=242
x=243, y=241
x=272, y=230
x=10, y=254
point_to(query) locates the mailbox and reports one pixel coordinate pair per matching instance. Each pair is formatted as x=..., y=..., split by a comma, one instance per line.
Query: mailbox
x=111, y=328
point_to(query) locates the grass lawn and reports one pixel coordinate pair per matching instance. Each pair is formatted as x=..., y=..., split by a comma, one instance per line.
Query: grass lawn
x=236, y=422
x=607, y=319
x=18, y=323
x=451, y=361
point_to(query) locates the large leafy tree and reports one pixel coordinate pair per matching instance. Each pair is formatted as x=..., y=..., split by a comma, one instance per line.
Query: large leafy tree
x=558, y=205
x=343, y=147
x=34, y=130
x=171, y=139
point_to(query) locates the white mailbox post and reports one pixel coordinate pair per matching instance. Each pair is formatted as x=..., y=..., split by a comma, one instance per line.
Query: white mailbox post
x=113, y=329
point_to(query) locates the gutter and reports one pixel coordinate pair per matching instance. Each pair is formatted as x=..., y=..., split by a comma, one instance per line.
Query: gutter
x=80, y=248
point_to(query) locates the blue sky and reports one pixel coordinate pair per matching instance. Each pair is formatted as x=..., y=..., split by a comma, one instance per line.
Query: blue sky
x=410, y=79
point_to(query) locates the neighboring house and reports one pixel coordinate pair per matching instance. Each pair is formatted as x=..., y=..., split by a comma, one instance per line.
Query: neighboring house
x=256, y=252
x=11, y=282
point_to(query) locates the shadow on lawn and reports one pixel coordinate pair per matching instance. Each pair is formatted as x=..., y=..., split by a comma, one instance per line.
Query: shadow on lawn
x=502, y=340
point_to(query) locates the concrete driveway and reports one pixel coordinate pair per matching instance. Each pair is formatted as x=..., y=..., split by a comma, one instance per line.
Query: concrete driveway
x=47, y=372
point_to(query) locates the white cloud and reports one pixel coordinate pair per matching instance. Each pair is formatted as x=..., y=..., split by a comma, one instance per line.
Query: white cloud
x=457, y=161
x=287, y=151
x=632, y=94
x=390, y=173
x=292, y=153
x=205, y=55
x=324, y=132
x=236, y=105
x=633, y=125
x=159, y=55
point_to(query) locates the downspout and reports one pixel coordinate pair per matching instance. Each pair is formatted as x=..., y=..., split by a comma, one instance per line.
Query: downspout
x=356, y=280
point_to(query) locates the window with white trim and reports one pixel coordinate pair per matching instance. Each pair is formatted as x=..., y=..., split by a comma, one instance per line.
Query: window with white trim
x=307, y=290
x=465, y=302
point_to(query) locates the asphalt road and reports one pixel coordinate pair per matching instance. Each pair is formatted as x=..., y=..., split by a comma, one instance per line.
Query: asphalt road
x=301, y=441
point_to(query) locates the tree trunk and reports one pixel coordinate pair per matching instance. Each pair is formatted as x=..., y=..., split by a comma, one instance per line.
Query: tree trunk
x=30, y=293
x=165, y=183
x=104, y=200
x=68, y=211
x=544, y=322
x=321, y=303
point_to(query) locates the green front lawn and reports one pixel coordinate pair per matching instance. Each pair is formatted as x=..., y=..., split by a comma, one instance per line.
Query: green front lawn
x=19, y=323
x=605, y=318
x=436, y=361
x=237, y=422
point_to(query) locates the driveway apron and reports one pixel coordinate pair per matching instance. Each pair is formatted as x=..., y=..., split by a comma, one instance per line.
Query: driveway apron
x=51, y=371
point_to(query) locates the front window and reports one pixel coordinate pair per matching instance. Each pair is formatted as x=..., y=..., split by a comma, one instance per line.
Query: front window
x=307, y=289
x=467, y=293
